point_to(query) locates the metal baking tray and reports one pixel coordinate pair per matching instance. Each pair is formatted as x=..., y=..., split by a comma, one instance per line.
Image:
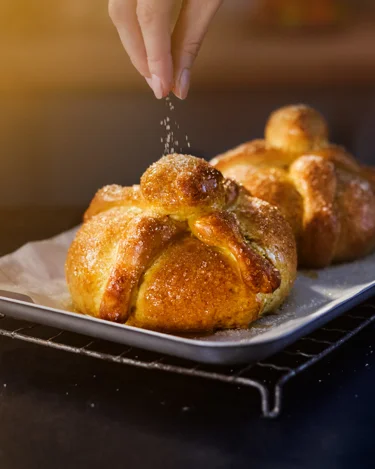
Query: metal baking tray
x=32, y=288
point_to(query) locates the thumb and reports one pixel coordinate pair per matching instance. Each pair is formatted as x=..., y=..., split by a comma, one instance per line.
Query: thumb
x=191, y=28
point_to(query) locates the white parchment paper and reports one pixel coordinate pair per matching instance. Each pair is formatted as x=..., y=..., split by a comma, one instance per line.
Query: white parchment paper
x=37, y=270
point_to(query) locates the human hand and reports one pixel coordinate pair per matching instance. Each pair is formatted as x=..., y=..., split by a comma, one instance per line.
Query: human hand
x=163, y=57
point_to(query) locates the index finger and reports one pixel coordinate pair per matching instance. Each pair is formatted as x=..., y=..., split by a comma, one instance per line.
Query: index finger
x=124, y=17
x=154, y=18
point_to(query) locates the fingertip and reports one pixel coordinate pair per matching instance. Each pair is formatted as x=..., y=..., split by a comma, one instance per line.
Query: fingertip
x=182, y=85
x=159, y=89
x=176, y=92
x=157, y=86
x=149, y=82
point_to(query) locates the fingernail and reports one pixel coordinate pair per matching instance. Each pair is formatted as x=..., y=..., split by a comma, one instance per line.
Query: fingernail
x=156, y=86
x=183, y=84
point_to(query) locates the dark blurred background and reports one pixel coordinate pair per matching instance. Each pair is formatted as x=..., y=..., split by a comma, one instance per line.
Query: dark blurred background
x=75, y=115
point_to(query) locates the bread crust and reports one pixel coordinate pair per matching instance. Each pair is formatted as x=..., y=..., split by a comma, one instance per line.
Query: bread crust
x=187, y=250
x=326, y=196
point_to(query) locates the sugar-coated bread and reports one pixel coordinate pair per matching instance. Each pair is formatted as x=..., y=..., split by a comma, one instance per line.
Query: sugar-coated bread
x=187, y=250
x=327, y=197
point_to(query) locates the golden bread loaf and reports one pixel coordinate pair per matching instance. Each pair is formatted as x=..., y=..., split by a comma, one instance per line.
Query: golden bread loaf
x=187, y=250
x=326, y=196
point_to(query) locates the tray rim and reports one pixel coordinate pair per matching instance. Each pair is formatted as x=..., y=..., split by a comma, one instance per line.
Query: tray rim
x=306, y=322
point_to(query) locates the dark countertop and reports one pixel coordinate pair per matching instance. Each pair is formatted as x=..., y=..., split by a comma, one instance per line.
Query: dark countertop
x=60, y=410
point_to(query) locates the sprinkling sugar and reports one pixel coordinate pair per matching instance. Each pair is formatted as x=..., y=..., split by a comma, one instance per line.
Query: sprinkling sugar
x=170, y=141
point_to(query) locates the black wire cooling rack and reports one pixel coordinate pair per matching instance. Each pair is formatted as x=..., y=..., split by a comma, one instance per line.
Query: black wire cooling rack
x=268, y=376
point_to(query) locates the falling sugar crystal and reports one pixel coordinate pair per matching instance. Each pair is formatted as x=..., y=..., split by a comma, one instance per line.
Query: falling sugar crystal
x=170, y=142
